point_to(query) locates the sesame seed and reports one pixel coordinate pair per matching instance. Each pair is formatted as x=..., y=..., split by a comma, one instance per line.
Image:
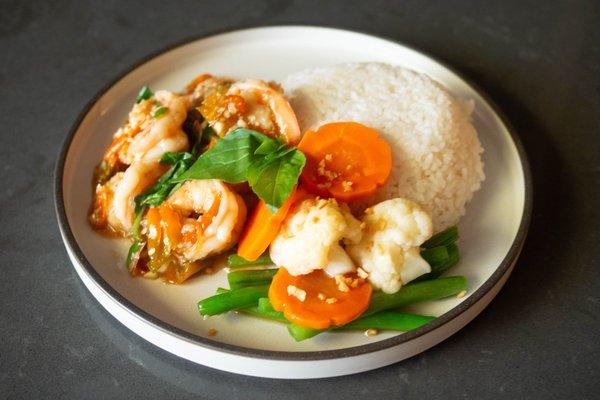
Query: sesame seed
x=462, y=294
x=331, y=300
x=362, y=273
x=371, y=332
x=321, y=296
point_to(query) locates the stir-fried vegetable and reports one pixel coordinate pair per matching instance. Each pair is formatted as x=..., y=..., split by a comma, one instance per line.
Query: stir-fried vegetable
x=443, y=238
x=236, y=261
x=345, y=160
x=318, y=301
x=247, y=295
x=410, y=294
x=268, y=165
x=262, y=227
x=384, y=320
x=240, y=279
x=232, y=300
x=156, y=194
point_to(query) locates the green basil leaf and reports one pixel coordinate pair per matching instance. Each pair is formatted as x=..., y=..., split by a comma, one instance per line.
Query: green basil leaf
x=133, y=252
x=229, y=159
x=274, y=179
x=266, y=147
x=144, y=94
x=135, y=228
x=166, y=184
x=160, y=111
x=172, y=157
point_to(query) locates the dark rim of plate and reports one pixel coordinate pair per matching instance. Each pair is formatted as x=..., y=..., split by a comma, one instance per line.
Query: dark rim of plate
x=72, y=244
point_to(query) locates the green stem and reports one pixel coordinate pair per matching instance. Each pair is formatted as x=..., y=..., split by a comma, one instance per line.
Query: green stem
x=443, y=238
x=240, y=279
x=232, y=300
x=236, y=261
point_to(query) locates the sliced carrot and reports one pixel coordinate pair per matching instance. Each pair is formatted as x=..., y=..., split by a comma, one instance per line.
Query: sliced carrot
x=324, y=304
x=262, y=227
x=345, y=160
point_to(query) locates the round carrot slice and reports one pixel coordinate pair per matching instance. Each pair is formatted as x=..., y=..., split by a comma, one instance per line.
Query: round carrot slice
x=345, y=160
x=318, y=301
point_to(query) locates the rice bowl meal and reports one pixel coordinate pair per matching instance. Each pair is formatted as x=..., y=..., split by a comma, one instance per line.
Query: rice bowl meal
x=334, y=194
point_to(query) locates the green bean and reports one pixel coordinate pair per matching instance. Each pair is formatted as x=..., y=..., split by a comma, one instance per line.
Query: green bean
x=435, y=255
x=412, y=293
x=232, y=300
x=433, y=289
x=266, y=314
x=264, y=304
x=240, y=279
x=389, y=320
x=438, y=268
x=236, y=261
x=443, y=238
x=384, y=320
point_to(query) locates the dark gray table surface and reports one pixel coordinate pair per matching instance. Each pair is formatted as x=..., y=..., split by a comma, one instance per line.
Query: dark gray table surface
x=540, y=338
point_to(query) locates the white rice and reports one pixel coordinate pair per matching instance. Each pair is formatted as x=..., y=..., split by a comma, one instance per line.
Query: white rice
x=435, y=149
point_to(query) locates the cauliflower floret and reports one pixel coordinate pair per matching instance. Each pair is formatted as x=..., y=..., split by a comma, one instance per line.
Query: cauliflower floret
x=389, y=250
x=309, y=237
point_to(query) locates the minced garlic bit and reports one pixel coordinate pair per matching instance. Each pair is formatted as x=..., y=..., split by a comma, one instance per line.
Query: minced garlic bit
x=331, y=300
x=212, y=332
x=371, y=332
x=321, y=296
x=462, y=294
x=328, y=157
x=344, y=283
x=341, y=283
x=362, y=273
x=347, y=185
x=322, y=171
x=296, y=292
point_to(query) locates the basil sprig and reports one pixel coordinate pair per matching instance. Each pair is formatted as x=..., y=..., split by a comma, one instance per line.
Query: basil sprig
x=244, y=155
x=163, y=188
x=144, y=94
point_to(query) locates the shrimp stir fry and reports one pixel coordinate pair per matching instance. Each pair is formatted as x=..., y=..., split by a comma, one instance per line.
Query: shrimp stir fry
x=130, y=164
x=254, y=104
x=202, y=218
x=176, y=232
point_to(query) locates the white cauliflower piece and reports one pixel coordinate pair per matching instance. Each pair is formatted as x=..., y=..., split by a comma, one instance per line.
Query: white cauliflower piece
x=310, y=237
x=389, y=249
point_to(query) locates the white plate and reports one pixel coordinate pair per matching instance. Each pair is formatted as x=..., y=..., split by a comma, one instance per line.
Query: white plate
x=492, y=232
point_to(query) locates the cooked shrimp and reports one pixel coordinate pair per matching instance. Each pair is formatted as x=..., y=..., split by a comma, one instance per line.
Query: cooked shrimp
x=259, y=94
x=203, y=85
x=253, y=104
x=137, y=178
x=213, y=217
x=145, y=136
x=163, y=134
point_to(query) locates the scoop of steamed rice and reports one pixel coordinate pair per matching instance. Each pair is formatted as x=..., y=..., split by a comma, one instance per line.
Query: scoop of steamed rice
x=435, y=150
